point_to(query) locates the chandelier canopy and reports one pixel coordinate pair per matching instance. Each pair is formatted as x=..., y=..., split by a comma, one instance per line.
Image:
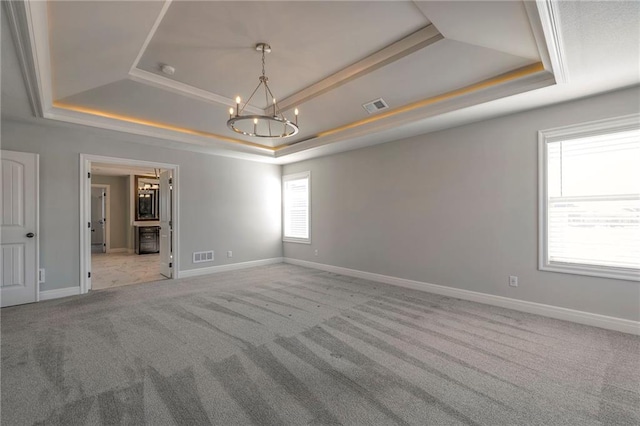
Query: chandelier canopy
x=275, y=126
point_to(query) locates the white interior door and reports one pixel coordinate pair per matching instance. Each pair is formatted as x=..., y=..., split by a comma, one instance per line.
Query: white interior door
x=98, y=217
x=166, y=225
x=18, y=228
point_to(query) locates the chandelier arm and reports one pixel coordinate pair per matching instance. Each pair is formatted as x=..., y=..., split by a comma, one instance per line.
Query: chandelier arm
x=250, y=97
x=266, y=93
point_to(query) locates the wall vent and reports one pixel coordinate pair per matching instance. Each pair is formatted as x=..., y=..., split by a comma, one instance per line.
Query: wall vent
x=202, y=256
x=375, y=106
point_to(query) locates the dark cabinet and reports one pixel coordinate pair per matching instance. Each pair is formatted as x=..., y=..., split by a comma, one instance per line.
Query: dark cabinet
x=147, y=239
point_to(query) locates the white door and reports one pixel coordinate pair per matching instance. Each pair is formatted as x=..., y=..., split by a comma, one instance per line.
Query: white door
x=18, y=226
x=98, y=217
x=166, y=225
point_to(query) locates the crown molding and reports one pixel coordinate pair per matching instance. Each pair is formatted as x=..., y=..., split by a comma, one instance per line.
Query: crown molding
x=152, y=32
x=545, y=23
x=155, y=80
x=164, y=135
x=34, y=62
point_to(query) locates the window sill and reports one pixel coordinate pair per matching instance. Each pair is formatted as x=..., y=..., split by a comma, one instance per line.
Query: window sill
x=595, y=271
x=297, y=240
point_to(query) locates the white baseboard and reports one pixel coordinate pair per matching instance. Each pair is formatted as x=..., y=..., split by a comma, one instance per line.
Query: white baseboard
x=230, y=267
x=581, y=317
x=58, y=293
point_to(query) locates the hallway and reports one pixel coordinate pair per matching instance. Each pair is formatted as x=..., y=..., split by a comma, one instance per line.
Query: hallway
x=118, y=269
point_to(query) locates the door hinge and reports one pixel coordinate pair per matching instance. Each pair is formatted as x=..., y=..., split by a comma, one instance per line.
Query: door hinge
x=89, y=274
x=170, y=181
x=88, y=175
x=170, y=224
x=89, y=225
x=170, y=265
x=104, y=220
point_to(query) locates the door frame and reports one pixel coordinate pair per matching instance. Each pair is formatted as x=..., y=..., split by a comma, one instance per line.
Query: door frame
x=85, y=210
x=107, y=215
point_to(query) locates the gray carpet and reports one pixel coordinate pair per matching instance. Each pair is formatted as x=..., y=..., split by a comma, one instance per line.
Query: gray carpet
x=283, y=345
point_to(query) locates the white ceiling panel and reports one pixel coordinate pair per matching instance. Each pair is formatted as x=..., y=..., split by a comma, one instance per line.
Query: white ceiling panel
x=211, y=44
x=500, y=25
x=94, y=43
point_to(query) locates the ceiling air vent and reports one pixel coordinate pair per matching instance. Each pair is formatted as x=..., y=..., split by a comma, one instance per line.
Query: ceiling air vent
x=375, y=106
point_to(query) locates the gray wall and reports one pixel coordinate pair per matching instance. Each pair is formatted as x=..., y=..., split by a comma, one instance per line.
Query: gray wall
x=119, y=222
x=225, y=204
x=456, y=208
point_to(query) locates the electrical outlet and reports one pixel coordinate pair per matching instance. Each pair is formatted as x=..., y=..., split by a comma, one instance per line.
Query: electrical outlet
x=513, y=281
x=315, y=252
x=229, y=253
x=41, y=276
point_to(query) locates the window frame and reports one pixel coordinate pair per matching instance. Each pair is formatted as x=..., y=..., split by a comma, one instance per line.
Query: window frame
x=595, y=128
x=297, y=176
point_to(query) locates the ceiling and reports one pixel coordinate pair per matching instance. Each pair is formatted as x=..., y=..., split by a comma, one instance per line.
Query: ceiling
x=436, y=64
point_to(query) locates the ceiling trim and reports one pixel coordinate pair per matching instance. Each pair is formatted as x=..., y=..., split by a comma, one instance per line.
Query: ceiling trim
x=107, y=120
x=517, y=81
x=32, y=28
x=158, y=81
x=457, y=99
x=485, y=84
x=152, y=32
x=393, y=52
x=545, y=24
x=33, y=59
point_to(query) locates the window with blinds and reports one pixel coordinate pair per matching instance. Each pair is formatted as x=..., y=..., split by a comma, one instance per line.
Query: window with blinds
x=591, y=204
x=296, y=205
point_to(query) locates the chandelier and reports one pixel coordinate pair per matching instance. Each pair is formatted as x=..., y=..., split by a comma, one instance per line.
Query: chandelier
x=275, y=126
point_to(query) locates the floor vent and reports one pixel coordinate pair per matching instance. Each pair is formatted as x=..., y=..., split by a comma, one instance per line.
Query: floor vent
x=202, y=256
x=375, y=106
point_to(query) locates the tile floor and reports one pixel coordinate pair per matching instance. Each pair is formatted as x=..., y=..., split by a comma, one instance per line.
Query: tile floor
x=118, y=269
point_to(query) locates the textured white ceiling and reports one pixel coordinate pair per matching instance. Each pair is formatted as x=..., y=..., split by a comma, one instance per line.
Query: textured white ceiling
x=211, y=44
x=602, y=40
x=499, y=25
x=94, y=43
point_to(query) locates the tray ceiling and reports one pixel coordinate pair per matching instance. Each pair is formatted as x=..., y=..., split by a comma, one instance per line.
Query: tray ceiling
x=425, y=59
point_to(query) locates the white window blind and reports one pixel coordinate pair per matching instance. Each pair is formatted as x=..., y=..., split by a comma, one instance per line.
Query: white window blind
x=593, y=202
x=296, y=207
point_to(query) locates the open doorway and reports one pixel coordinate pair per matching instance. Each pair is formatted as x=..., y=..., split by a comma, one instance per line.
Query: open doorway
x=129, y=210
x=99, y=209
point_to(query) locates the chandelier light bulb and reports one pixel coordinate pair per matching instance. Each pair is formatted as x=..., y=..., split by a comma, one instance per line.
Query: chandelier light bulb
x=231, y=112
x=238, y=99
x=255, y=121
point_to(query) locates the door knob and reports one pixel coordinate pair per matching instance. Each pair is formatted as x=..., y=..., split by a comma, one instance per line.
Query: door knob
x=31, y=235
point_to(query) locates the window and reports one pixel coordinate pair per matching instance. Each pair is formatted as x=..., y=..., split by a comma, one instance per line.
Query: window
x=296, y=201
x=590, y=199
